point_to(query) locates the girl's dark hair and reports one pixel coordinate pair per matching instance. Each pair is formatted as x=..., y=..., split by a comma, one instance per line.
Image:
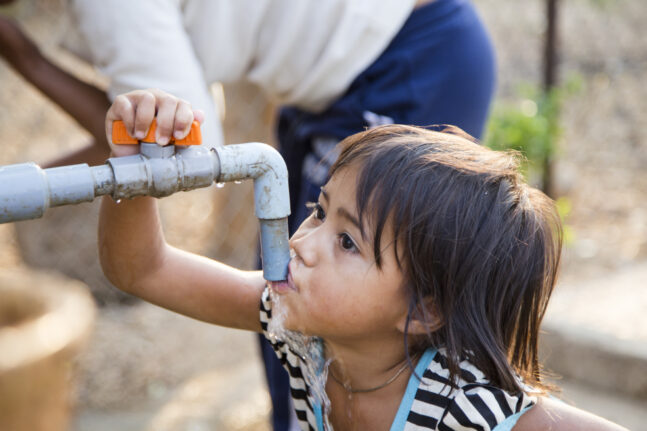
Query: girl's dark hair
x=478, y=247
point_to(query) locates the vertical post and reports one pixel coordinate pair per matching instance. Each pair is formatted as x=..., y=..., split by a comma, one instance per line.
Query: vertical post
x=550, y=78
x=550, y=46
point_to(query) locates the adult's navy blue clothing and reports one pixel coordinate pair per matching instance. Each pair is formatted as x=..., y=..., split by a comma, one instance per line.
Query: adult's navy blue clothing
x=439, y=69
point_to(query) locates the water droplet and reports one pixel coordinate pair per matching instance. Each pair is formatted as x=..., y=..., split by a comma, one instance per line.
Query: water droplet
x=220, y=185
x=118, y=201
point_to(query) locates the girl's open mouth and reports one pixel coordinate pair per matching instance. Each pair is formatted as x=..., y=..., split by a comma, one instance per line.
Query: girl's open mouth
x=283, y=286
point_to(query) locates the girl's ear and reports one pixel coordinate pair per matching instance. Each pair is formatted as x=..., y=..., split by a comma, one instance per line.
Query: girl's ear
x=425, y=318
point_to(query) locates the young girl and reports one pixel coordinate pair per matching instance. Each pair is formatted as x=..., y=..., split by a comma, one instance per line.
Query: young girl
x=415, y=291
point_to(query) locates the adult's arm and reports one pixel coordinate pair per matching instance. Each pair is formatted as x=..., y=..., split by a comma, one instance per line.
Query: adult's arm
x=82, y=101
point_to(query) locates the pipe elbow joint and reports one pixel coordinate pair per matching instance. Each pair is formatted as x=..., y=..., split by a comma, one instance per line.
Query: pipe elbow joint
x=265, y=165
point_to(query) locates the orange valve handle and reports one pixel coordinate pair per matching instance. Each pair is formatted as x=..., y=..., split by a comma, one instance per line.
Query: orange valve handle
x=120, y=135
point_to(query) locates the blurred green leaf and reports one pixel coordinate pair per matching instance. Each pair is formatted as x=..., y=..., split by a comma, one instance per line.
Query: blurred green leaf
x=531, y=124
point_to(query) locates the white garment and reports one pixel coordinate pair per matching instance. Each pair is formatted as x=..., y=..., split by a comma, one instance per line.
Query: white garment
x=300, y=52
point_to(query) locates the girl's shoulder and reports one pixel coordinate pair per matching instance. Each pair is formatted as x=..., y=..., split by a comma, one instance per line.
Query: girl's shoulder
x=471, y=403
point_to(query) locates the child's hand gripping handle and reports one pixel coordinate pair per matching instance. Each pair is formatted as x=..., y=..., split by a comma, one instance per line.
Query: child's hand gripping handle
x=120, y=135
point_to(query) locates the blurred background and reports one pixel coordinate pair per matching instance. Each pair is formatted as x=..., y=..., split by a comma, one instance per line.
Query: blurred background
x=582, y=124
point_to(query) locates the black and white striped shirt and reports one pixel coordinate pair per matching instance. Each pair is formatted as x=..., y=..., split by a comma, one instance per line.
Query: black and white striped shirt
x=430, y=403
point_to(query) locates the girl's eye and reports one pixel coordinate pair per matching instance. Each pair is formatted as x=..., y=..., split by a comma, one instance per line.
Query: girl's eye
x=317, y=210
x=346, y=242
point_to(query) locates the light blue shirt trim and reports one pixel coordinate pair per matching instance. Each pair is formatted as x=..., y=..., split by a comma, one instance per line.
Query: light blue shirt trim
x=317, y=405
x=319, y=416
x=510, y=421
x=412, y=387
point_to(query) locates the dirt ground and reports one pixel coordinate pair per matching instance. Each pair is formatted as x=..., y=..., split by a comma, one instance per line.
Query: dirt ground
x=146, y=366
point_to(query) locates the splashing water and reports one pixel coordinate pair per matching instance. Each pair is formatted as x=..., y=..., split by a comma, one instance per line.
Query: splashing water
x=310, y=350
x=276, y=328
x=220, y=185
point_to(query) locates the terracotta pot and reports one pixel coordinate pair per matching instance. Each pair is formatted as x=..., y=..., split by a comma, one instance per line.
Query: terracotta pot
x=44, y=320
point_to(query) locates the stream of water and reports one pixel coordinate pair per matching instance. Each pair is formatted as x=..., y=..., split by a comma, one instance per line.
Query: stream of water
x=310, y=350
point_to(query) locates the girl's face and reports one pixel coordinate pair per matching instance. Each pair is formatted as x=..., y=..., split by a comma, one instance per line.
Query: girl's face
x=335, y=290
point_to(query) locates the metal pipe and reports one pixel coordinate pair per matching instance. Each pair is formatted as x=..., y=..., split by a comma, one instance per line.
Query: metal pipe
x=27, y=191
x=24, y=193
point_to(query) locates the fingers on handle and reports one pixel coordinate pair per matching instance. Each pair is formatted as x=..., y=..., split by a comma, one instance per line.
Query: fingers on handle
x=121, y=109
x=165, y=119
x=144, y=113
x=183, y=120
x=139, y=108
x=198, y=115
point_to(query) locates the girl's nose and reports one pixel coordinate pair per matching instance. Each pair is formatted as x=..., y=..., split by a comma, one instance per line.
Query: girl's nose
x=302, y=242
